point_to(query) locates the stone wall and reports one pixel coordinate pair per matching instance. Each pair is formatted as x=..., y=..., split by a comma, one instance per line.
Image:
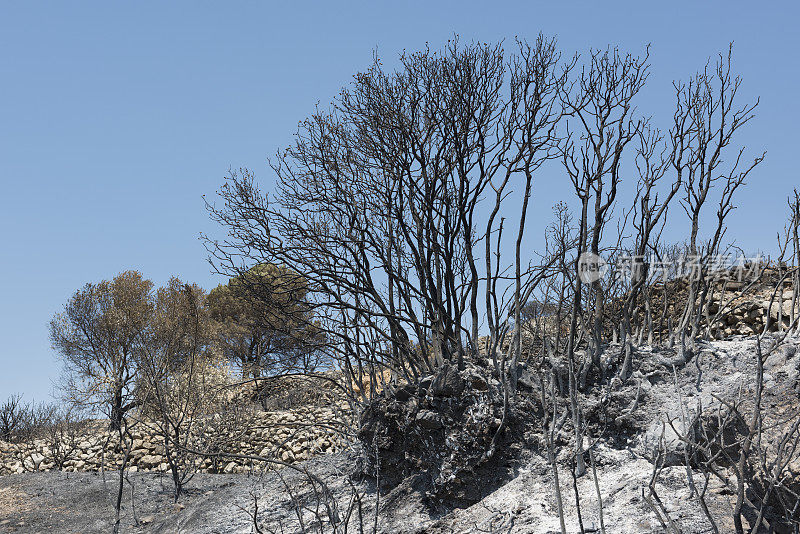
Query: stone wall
x=747, y=314
x=287, y=435
x=736, y=305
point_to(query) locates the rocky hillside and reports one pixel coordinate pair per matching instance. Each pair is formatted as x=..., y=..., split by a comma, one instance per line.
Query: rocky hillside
x=636, y=447
x=453, y=453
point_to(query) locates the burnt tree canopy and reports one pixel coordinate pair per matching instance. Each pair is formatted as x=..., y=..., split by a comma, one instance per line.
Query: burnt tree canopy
x=388, y=202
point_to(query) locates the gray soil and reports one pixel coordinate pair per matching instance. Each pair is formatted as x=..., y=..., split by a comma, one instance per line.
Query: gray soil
x=82, y=502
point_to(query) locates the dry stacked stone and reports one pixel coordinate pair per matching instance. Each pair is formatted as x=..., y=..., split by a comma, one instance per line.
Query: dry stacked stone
x=288, y=435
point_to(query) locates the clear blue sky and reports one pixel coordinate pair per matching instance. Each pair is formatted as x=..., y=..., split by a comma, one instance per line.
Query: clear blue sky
x=115, y=119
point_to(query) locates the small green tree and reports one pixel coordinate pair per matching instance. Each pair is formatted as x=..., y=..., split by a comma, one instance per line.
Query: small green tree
x=262, y=321
x=99, y=336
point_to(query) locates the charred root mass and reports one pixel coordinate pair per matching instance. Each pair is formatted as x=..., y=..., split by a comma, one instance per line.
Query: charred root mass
x=452, y=436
